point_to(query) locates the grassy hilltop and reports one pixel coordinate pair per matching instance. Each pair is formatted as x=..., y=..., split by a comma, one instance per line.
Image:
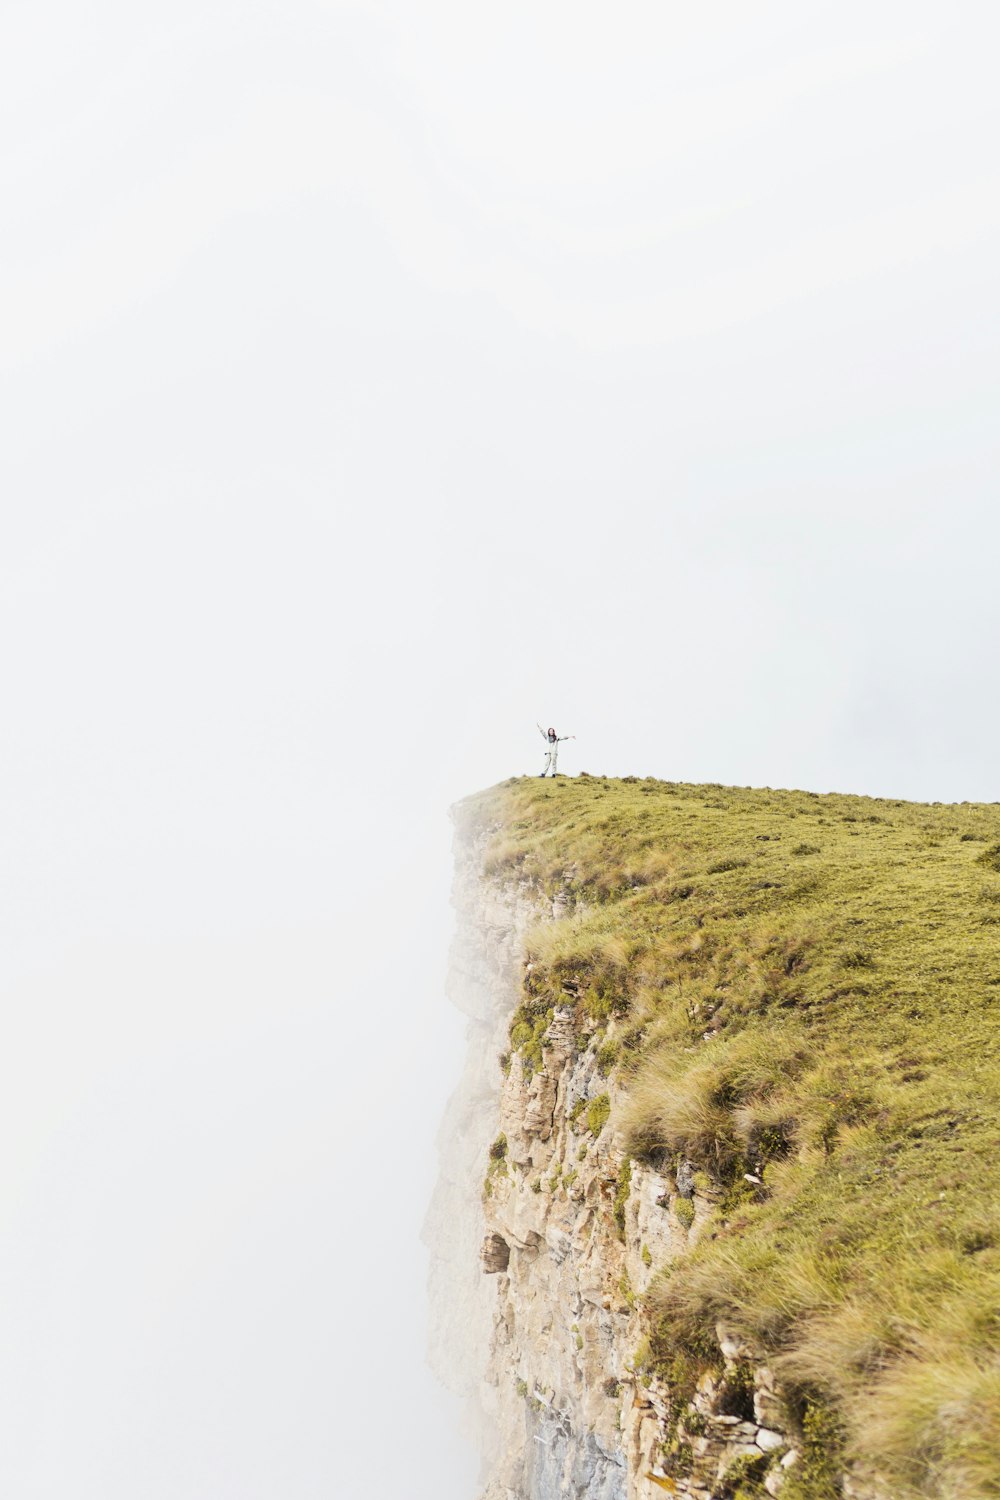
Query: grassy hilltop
x=807, y=989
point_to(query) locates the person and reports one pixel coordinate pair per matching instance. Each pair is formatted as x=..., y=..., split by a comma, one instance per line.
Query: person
x=552, y=743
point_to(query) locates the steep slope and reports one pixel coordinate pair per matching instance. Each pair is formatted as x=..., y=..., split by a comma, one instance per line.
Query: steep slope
x=741, y=1197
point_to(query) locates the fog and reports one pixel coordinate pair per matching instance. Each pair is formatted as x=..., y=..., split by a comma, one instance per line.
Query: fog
x=379, y=379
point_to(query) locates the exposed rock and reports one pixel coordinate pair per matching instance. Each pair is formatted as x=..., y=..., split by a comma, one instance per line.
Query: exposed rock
x=495, y=1254
x=732, y=1346
x=485, y=972
x=570, y=1242
x=769, y=1440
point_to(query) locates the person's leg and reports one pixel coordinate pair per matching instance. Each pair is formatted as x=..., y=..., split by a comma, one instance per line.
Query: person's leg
x=555, y=756
x=548, y=757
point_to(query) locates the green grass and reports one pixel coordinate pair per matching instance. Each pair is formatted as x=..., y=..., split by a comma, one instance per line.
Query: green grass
x=598, y=1113
x=803, y=987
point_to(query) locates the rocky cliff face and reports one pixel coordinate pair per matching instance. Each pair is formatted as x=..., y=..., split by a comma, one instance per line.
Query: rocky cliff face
x=545, y=1237
x=491, y=920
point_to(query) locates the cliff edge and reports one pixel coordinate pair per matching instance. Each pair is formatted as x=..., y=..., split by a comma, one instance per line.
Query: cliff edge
x=719, y=1207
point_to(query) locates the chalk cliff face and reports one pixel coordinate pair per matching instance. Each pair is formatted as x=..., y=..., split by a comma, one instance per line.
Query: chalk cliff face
x=545, y=1236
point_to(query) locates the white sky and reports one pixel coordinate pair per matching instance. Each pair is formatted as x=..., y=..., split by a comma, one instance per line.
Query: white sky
x=379, y=378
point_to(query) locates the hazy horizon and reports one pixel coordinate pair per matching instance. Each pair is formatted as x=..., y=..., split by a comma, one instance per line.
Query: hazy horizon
x=379, y=380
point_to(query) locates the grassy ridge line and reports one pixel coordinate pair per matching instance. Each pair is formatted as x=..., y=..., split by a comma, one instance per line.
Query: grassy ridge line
x=805, y=988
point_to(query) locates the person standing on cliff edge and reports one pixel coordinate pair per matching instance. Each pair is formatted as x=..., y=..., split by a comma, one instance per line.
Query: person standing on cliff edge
x=552, y=743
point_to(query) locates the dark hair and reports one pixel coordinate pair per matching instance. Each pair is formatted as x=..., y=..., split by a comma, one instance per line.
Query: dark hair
x=553, y=735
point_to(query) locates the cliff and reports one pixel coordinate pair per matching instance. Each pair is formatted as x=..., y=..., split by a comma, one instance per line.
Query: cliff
x=718, y=1213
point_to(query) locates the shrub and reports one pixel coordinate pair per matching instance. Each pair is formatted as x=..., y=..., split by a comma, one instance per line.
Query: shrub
x=527, y=1035
x=743, y=1478
x=497, y=1165
x=816, y=1475
x=598, y=1113
x=684, y=1212
x=607, y=1056
x=622, y=1191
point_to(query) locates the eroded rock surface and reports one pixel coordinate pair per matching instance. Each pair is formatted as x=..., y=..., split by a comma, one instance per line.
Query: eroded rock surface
x=543, y=1249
